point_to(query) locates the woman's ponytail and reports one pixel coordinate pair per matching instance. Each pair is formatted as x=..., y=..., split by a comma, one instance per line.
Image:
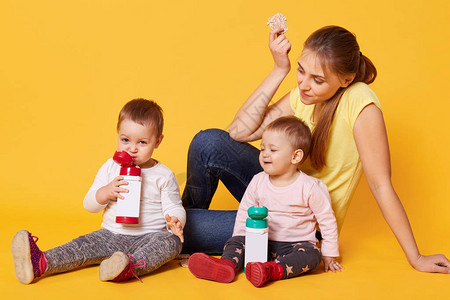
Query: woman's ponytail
x=366, y=70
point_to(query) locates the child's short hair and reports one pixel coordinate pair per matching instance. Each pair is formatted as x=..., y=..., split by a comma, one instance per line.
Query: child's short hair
x=298, y=134
x=144, y=112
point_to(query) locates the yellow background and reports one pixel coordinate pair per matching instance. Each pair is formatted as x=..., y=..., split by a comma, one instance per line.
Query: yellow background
x=67, y=67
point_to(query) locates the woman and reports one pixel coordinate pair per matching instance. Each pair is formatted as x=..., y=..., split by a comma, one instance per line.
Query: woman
x=333, y=98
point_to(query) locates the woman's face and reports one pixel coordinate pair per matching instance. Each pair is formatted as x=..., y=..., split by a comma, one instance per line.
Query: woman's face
x=317, y=85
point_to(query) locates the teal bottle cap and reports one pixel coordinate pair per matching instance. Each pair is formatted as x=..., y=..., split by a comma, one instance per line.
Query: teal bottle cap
x=252, y=223
x=257, y=213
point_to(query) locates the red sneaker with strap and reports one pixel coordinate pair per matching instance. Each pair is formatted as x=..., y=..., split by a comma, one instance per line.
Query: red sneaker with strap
x=212, y=268
x=259, y=273
x=29, y=261
x=119, y=267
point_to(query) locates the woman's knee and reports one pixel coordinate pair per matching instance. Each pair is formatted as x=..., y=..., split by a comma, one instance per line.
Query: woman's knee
x=210, y=136
x=209, y=141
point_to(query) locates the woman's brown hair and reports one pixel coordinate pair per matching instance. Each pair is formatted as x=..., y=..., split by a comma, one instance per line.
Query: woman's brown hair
x=339, y=53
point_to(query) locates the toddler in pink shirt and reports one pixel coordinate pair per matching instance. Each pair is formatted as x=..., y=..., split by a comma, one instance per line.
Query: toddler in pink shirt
x=296, y=202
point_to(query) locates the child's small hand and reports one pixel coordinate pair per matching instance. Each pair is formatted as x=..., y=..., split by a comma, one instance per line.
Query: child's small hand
x=111, y=191
x=330, y=264
x=175, y=226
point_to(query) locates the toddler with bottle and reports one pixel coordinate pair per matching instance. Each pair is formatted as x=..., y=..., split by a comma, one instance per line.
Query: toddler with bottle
x=295, y=203
x=122, y=249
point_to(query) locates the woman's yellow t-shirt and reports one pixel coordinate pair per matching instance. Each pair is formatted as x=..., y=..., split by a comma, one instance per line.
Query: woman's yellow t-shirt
x=343, y=167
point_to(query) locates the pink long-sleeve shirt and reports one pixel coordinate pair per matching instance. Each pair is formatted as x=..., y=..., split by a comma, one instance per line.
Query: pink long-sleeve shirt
x=294, y=211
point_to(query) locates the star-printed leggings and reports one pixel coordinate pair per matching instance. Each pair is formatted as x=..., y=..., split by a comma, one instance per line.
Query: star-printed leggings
x=155, y=248
x=295, y=257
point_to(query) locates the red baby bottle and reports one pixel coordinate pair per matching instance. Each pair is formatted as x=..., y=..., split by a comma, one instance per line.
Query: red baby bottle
x=128, y=208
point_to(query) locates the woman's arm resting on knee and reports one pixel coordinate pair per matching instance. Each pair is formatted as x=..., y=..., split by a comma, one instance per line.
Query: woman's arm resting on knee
x=371, y=140
x=254, y=114
x=251, y=119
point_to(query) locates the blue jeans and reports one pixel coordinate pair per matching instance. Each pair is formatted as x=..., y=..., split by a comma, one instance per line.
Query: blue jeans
x=213, y=155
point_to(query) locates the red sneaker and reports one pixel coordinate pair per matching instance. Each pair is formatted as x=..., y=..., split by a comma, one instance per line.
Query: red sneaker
x=119, y=266
x=259, y=273
x=29, y=261
x=211, y=268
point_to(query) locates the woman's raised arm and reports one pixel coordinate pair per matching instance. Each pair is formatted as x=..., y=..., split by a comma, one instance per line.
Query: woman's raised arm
x=371, y=140
x=256, y=113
